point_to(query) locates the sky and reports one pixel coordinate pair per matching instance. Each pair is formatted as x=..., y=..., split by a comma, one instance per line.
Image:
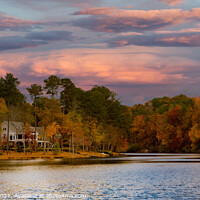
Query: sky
x=141, y=49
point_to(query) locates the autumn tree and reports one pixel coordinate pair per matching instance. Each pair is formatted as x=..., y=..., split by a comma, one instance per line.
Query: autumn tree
x=95, y=132
x=194, y=135
x=76, y=129
x=3, y=109
x=52, y=131
x=3, y=112
x=50, y=113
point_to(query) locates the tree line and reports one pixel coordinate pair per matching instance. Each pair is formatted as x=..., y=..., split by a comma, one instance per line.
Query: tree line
x=79, y=120
x=166, y=125
x=70, y=117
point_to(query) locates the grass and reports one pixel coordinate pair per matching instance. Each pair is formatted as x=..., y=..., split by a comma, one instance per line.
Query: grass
x=13, y=155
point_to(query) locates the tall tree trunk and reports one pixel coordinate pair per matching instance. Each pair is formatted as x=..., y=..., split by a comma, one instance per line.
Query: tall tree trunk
x=35, y=136
x=73, y=143
x=62, y=145
x=83, y=142
x=70, y=142
x=45, y=141
x=24, y=145
x=0, y=140
x=8, y=130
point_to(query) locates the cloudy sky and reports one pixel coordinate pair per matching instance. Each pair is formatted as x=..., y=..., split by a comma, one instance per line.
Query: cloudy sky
x=141, y=49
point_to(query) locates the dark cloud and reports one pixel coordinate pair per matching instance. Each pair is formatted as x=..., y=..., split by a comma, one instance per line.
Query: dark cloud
x=118, y=25
x=162, y=40
x=18, y=42
x=50, y=35
x=33, y=39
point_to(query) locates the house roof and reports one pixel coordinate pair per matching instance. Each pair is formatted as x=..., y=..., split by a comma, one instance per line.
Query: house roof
x=19, y=126
x=14, y=126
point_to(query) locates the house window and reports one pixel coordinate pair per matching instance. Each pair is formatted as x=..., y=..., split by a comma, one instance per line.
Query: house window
x=10, y=137
x=4, y=129
x=19, y=137
x=13, y=137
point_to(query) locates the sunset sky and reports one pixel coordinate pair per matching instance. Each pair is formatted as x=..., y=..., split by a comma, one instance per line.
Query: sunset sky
x=141, y=49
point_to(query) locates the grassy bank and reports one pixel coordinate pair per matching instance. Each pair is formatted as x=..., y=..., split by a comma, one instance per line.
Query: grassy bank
x=50, y=155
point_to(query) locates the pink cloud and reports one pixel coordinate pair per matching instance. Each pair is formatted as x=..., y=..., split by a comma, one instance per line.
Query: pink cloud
x=97, y=11
x=186, y=30
x=111, y=19
x=130, y=71
x=187, y=40
x=164, y=39
x=90, y=67
x=172, y=2
x=15, y=24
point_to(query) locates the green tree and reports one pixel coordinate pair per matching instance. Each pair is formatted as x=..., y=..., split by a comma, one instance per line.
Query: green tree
x=11, y=94
x=52, y=84
x=35, y=91
x=69, y=95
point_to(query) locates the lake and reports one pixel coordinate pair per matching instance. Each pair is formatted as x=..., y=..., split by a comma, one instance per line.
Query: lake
x=136, y=176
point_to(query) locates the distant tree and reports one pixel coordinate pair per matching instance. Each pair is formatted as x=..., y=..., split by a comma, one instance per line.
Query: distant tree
x=52, y=84
x=35, y=91
x=9, y=90
x=70, y=95
x=194, y=135
x=174, y=116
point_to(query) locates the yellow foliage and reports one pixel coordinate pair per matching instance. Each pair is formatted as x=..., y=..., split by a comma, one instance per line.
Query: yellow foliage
x=27, y=127
x=3, y=111
x=139, y=123
x=194, y=133
x=3, y=107
x=52, y=129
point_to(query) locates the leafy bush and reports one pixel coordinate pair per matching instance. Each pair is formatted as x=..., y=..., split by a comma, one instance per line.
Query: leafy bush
x=134, y=148
x=57, y=149
x=20, y=148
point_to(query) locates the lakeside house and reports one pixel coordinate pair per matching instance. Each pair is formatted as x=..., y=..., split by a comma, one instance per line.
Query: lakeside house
x=17, y=133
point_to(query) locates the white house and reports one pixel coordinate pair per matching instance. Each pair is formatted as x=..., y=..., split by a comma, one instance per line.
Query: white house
x=16, y=132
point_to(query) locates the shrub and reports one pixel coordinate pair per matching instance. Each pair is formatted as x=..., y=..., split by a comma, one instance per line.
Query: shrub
x=134, y=148
x=57, y=149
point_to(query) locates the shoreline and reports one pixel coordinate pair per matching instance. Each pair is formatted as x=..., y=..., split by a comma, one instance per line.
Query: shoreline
x=50, y=155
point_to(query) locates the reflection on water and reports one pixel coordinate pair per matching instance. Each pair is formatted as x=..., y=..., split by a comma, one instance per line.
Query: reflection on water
x=134, y=177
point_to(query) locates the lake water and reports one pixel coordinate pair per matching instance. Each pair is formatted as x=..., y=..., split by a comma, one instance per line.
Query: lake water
x=138, y=176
